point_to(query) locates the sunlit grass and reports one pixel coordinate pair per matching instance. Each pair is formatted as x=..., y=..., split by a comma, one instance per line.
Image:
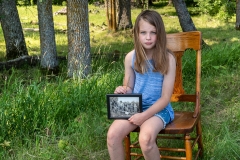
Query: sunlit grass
x=53, y=117
x=214, y=31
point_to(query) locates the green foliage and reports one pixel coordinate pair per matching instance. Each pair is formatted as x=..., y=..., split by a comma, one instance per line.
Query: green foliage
x=23, y=2
x=58, y=2
x=34, y=2
x=54, y=2
x=225, y=9
x=95, y=1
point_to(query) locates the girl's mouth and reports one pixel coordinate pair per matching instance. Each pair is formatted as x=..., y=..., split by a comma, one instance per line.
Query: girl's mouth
x=148, y=43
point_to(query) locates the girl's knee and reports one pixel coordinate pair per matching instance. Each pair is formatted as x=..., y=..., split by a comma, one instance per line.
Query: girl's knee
x=113, y=137
x=146, y=142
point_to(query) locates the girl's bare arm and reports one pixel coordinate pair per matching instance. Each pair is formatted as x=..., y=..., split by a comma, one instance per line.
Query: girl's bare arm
x=129, y=78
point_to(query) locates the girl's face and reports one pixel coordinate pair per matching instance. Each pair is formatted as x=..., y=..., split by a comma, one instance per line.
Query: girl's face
x=147, y=35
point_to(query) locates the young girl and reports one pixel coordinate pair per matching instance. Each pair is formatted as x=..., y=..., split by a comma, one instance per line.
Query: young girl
x=150, y=70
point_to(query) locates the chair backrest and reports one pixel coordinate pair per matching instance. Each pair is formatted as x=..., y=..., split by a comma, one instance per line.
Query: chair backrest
x=178, y=43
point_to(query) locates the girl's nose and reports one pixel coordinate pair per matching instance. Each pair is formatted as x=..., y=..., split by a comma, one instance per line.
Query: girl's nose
x=148, y=36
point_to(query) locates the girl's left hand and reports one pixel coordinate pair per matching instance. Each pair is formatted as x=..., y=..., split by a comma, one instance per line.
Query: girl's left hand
x=137, y=119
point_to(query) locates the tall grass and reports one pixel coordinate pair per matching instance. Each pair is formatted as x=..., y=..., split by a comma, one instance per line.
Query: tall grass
x=59, y=118
x=53, y=117
x=220, y=103
x=49, y=108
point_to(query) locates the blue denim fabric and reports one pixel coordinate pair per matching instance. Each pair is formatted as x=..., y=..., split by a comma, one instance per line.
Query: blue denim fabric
x=163, y=115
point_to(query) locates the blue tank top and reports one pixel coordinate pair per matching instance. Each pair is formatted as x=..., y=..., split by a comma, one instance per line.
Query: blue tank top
x=150, y=85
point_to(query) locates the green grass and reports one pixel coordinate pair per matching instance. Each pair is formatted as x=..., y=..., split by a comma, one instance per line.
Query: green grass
x=53, y=117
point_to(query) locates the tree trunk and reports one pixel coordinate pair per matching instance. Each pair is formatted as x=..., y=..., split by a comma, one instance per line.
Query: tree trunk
x=49, y=59
x=123, y=8
x=79, y=57
x=107, y=14
x=183, y=15
x=111, y=14
x=237, y=15
x=12, y=30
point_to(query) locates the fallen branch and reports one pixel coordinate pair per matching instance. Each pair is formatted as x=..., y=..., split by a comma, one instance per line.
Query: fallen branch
x=23, y=60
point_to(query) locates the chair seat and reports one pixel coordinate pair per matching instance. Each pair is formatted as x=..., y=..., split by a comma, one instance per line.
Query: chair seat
x=183, y=122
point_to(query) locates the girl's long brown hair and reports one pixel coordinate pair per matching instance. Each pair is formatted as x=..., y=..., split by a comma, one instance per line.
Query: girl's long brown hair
x=160, y=55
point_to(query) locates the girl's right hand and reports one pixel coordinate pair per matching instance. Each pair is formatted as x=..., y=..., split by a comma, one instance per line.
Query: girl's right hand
x=121, y=90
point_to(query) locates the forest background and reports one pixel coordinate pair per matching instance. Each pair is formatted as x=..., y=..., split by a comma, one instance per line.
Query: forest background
x=54, y=117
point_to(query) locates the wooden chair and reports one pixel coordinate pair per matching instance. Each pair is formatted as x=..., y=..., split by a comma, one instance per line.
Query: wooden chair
x=185, y=122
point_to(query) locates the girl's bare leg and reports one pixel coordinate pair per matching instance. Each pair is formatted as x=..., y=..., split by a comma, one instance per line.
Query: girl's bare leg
x=116, y=133
x=147, y=138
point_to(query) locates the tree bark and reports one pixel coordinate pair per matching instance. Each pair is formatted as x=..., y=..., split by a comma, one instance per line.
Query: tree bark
x=12, y=29
x=107, y=14
x=123, y=8
x=49, y=59
x=184, y=17
x=111, y=14
x=237, y=15
x=79, y=57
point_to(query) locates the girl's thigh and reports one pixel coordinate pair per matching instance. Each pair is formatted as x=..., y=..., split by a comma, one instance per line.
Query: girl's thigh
x=152, y=126
x=121, y=128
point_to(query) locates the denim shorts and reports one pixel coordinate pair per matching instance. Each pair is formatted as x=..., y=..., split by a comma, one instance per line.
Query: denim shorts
x=163, y=115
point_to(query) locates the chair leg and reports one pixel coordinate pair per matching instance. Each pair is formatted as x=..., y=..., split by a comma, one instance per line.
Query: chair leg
x=199, y=133
x=188, y=147
x=127, y=147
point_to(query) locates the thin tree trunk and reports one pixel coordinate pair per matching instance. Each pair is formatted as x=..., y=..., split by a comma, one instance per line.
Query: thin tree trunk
x=107, y=14
x=47, y=35
x=237, y=15
x=183, y=15
x=12, y=30
x=113, y=15
x=79, y=57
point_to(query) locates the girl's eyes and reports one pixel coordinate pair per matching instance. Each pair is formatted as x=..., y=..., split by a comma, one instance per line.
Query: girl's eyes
x=143, y=32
